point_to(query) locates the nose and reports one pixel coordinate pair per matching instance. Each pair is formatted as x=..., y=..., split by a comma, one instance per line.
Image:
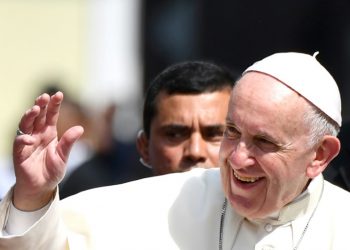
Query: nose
x=195, y=148
x=240, y=156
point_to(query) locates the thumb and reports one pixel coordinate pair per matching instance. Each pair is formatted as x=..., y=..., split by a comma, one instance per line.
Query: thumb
x=67, y=140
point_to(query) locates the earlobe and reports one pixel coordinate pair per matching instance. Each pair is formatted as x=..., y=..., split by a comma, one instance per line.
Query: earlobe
x=327, y=150
x=142, y=146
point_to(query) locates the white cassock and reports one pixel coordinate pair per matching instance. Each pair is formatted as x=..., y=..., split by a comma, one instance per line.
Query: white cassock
x=177, y=211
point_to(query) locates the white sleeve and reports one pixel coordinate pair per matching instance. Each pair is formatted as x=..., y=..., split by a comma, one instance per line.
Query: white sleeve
x=39, y=230
x=18, y=222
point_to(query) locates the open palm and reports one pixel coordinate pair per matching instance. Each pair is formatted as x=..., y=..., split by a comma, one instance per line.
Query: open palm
x=39, y=158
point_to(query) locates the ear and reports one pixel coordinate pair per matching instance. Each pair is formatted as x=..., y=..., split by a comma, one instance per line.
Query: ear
x=326, y=151
x=142, y=146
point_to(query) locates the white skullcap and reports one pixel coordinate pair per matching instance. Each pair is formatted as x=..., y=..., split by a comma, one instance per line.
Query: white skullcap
x=305, y=75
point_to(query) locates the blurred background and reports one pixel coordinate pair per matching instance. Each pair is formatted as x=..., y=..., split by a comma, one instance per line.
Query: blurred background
x=103, y=53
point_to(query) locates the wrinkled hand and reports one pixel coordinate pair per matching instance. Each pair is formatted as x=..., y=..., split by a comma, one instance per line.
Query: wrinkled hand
x=39, y=158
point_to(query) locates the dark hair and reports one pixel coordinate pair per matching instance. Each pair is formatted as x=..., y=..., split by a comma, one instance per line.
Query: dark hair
x=193, y=77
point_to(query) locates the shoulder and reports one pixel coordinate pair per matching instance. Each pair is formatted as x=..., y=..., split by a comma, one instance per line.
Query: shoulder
x=335, y=204
x=332, y=216
x=336, y=193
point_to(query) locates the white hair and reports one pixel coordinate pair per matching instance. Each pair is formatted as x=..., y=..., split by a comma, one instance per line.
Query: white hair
x=320, y=125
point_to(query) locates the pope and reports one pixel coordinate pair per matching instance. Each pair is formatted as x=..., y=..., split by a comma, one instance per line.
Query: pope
x=281, y=129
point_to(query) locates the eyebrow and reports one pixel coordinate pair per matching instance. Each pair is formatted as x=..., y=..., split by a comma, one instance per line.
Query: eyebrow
x=174, y=126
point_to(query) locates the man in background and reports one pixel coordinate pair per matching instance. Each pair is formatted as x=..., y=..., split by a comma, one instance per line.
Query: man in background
x=184, y=117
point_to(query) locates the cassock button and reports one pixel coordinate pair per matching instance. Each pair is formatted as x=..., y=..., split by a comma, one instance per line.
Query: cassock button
x=268, y=227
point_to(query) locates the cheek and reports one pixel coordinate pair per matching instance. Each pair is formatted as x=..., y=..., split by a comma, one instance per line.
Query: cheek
x=164, y=159
x=279, y=172
x=166, y=155
x=273, y=168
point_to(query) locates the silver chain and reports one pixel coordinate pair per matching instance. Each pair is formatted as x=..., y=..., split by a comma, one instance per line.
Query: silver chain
x=222, y=220
x=223, y=213
x=307, y=224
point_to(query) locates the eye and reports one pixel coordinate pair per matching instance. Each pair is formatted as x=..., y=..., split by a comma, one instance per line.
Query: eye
x=213, y=134
x=231, y=132
x=265, y=144
x=175, y=134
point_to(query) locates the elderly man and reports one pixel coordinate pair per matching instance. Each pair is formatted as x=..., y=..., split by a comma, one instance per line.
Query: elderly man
x=281, y=127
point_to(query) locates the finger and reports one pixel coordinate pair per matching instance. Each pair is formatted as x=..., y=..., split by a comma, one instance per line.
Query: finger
x=54, y=108
x=19, y=144
x=27, y=121
x=67, y=140
x=42, y=101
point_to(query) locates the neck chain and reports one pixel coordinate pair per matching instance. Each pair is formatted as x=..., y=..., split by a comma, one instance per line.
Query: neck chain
x=222, y=220
x=223, y=214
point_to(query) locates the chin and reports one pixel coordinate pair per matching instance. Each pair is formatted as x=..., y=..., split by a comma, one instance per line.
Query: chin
x=245, y=207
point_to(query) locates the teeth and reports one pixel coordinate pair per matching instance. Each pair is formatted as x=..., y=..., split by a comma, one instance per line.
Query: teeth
x=245, y=179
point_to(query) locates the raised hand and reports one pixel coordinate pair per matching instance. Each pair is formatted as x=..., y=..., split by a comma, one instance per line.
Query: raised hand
x=39, y=158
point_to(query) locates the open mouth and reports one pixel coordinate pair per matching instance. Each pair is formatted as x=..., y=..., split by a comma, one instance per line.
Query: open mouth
x=245, y=178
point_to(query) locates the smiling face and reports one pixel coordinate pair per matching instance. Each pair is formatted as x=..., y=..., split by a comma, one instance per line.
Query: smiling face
x=264, y=153
x=186, y=131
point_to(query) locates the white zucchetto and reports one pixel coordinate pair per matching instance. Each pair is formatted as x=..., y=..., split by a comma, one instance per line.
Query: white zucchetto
x=305, y=75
